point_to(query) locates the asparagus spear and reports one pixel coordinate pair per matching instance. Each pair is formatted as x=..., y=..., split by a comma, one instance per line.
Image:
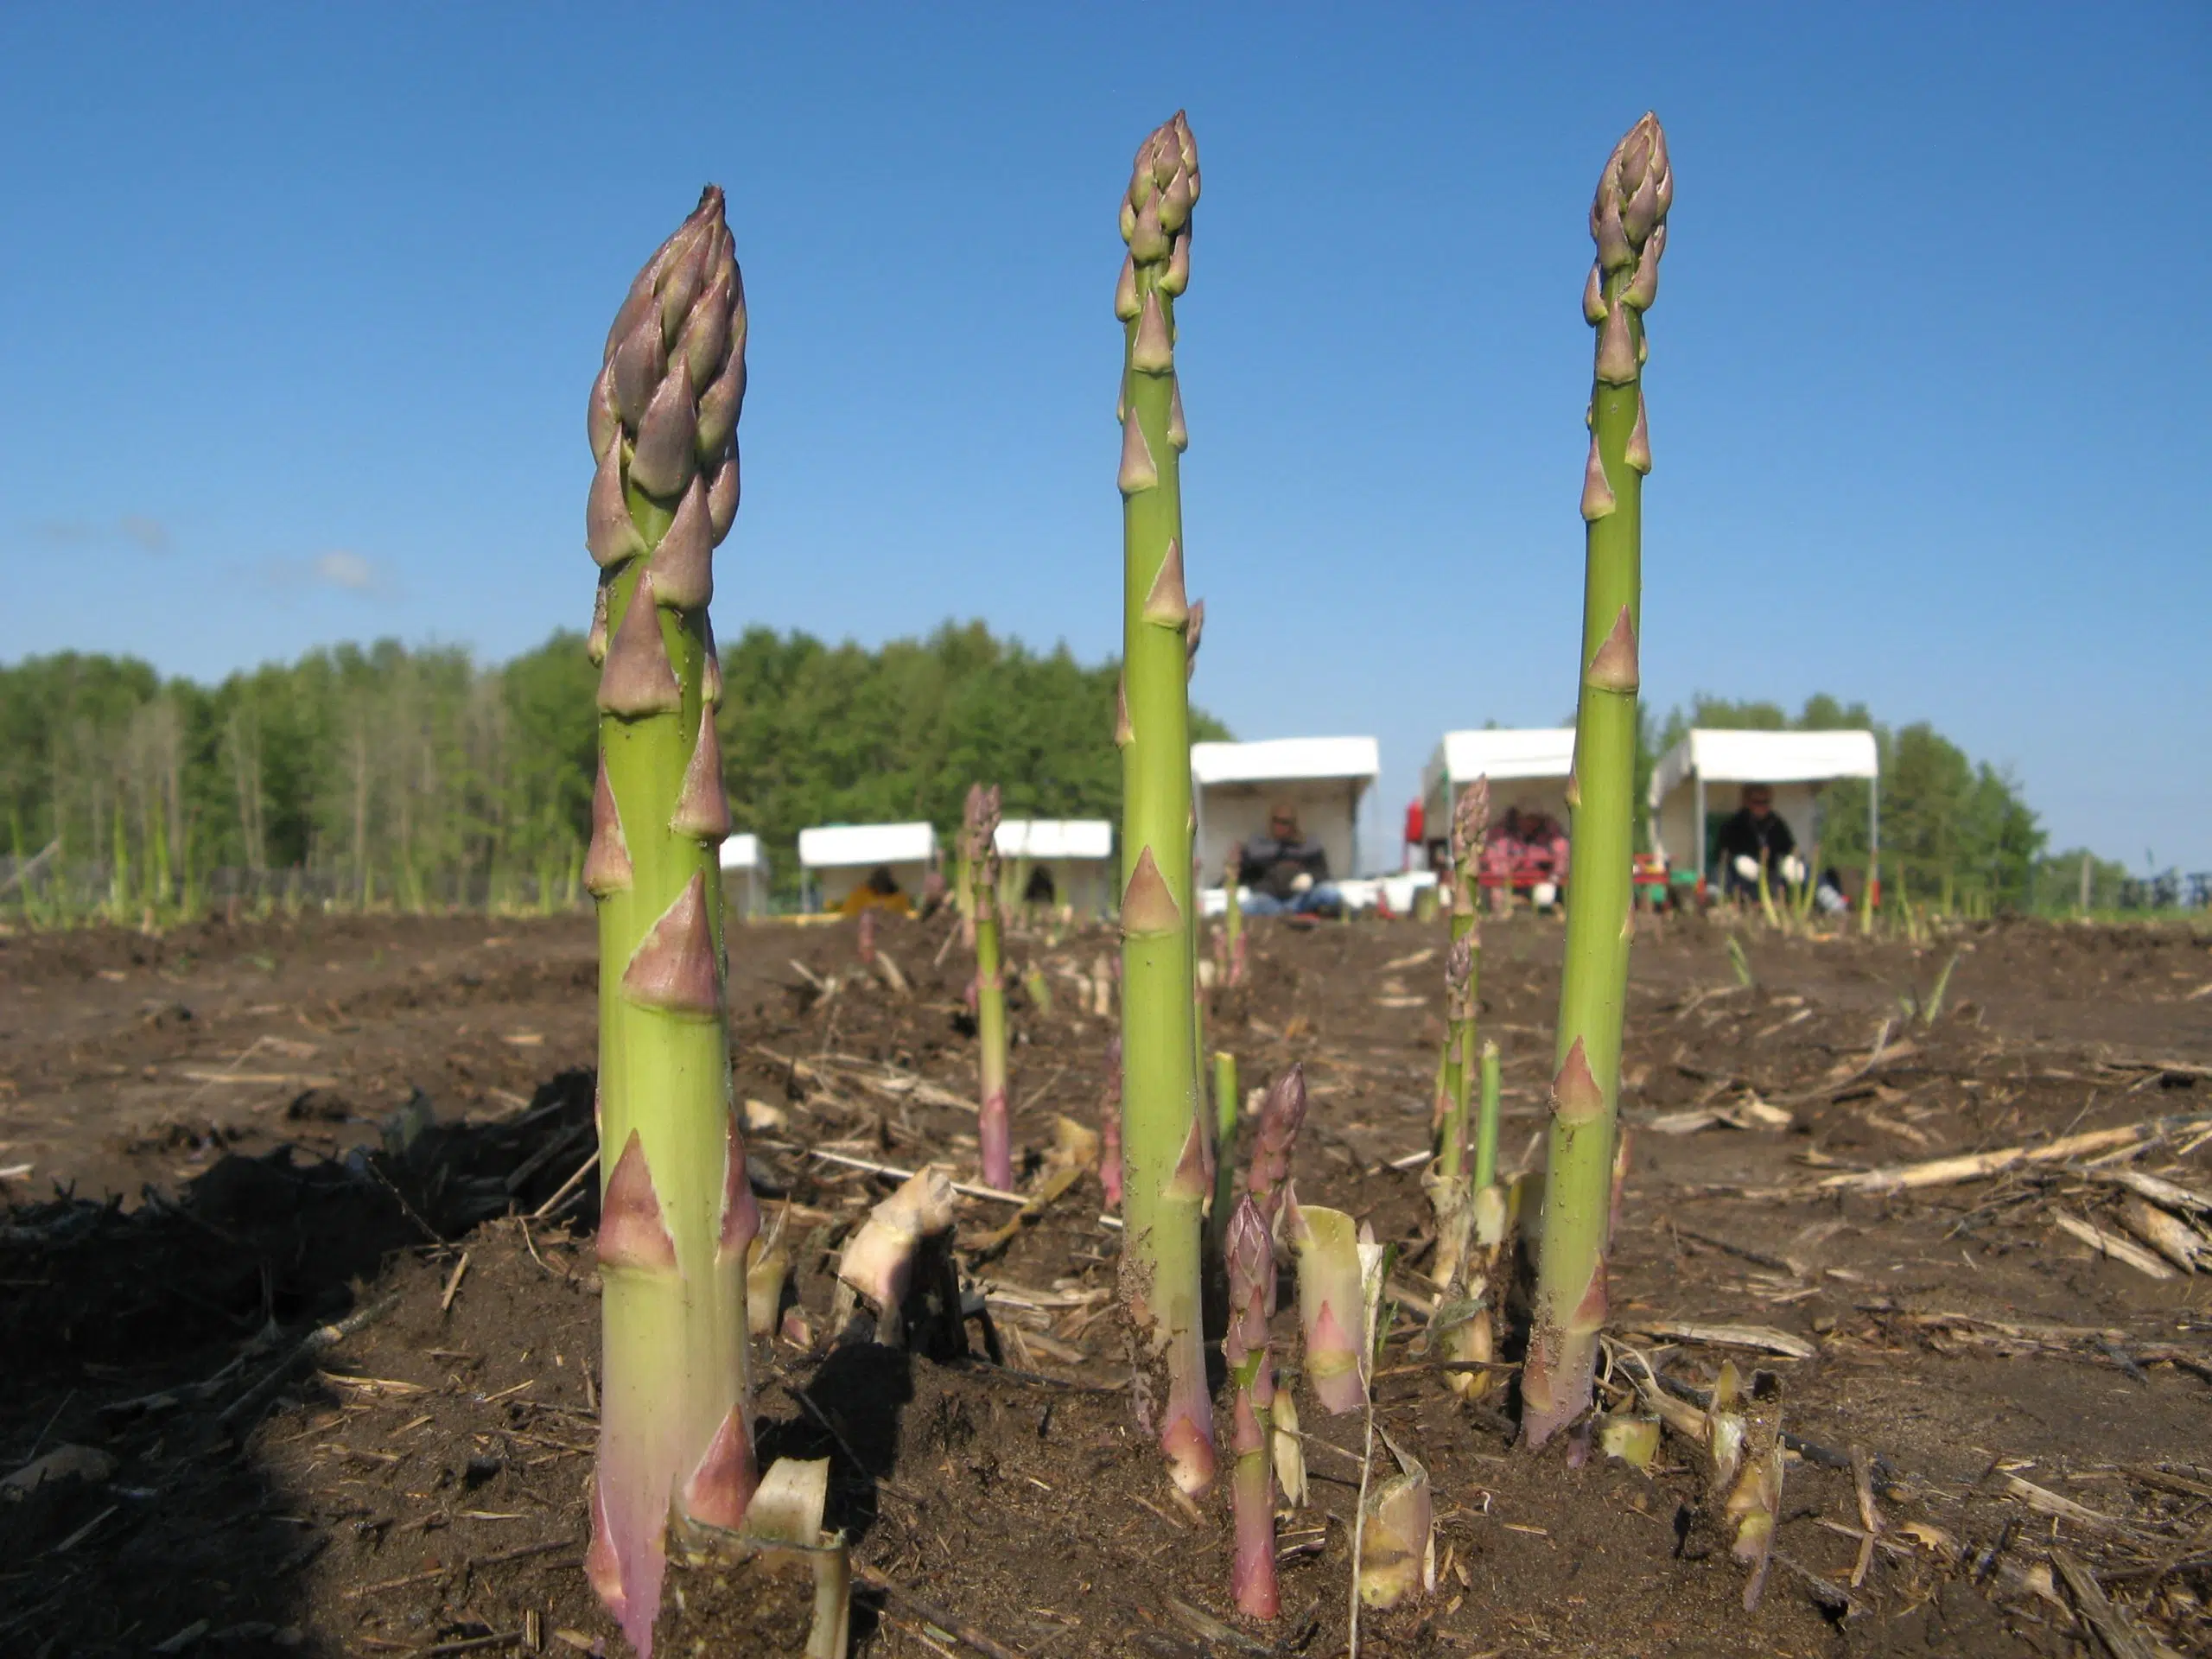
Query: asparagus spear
x=1164, y=1143
x=1283, y=1113
x=1628, y=223
x=1470, y=830
x=981, y=857
x=676, y=1212
x=1252, y=1258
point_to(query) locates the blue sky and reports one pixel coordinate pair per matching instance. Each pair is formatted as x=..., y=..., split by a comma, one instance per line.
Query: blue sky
x=301, y=305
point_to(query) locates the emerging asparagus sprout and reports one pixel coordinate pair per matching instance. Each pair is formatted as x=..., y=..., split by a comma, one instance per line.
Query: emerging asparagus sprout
x=1745, y=1467
x=677, y=1209
x=1628, y=223
x=1397, y=1551
x=1165, y=1146
x=879, y=1262
x=980, y=855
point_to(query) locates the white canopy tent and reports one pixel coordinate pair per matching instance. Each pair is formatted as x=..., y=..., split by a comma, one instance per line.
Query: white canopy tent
x=741, y=857
x=1705, y=773
x=1234, y=785
x=835, y=858
x=1077, y=852
x=1527, y=768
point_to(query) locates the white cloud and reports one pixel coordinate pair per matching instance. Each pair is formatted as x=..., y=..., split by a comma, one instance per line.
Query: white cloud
x=148, y=533
x=340, y=567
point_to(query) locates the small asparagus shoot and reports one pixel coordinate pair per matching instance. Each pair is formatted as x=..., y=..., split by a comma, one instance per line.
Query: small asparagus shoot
x=1282, y=1111
x=980, y=855
x=1628, y=223
x=1225, y=1134
x=1251, y=1261
x=1109, y=1135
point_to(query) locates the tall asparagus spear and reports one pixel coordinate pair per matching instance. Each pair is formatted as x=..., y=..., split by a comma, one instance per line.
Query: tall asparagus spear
x=981, y=857
x=1628, y=222
x=1164, y=1143
x=677, y=1212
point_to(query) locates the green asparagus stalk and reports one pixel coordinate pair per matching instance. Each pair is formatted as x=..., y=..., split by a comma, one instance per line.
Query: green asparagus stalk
x=1486, y=1120
x=981, y=857
x=676, y=1211
x=1628, y=223
x=1164, y=1143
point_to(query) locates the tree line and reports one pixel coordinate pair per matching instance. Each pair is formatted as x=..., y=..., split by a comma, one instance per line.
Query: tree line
x=419, y=777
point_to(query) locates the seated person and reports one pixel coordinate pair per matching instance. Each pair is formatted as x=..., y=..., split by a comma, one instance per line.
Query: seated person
x=1283, y=874
x=1756, y=839
x=880, y=892
x=1527, y=850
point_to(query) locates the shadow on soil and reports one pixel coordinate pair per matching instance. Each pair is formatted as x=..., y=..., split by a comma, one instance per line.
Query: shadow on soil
x=144, y=1346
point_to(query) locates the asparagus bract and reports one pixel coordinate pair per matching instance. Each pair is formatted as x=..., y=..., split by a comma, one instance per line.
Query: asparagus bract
x=1628, y=223
x=982, y=858
x=1331, y=1305
x=1164, y=1141
x=677, y=1212
x=1251, y=1260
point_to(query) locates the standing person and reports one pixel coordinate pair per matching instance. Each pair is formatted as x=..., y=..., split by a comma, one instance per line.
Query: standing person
x=1285, y=874
x=1755, y=839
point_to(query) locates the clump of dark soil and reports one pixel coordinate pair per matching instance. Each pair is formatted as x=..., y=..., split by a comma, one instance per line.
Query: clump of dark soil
x=321, y=1373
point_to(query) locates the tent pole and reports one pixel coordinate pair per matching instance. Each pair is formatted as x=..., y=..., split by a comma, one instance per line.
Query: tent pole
x=1697, y=833
x=1873, y=829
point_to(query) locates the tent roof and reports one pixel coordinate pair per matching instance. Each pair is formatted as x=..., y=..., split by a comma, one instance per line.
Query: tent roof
x=1764, y=757
x=1544, y=751
x=1054, y=838
x=1287, y=760
x=836, y=846
x=742, y=853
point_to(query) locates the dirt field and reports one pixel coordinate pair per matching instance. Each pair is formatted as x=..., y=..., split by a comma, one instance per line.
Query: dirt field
x=354, y=1121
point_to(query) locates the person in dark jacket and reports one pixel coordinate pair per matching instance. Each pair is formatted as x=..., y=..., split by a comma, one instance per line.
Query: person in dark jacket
x=1284, y=874
x=1756, y=839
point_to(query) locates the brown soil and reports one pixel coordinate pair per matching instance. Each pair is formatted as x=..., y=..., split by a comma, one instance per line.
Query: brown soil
x=417, y=1486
